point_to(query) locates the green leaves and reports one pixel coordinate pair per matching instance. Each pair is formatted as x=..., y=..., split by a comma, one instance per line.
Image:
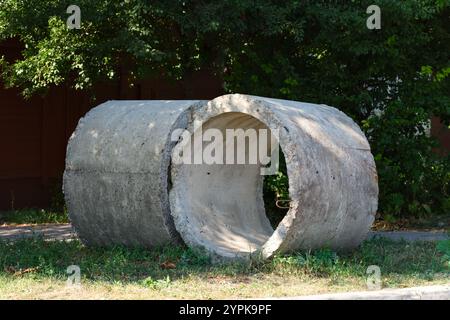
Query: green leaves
x=444, y=248
x=392, y=80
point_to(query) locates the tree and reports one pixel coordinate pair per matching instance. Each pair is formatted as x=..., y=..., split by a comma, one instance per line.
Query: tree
x=390, y=80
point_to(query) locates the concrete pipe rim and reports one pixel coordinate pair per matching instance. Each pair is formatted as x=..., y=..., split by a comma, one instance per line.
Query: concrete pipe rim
x=183, y=217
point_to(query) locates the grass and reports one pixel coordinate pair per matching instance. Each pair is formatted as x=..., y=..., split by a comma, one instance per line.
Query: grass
x=32, y=216
x=34, y=268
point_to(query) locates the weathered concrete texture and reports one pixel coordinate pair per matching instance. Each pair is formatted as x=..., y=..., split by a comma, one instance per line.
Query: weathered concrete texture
x=332, y=182
x=116, y=176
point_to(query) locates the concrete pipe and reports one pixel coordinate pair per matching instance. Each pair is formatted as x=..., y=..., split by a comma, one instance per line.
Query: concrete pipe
x=120, y=173
x=116, y=176
x=332, y=181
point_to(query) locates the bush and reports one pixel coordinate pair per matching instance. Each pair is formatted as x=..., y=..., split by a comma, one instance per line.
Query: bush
x=391, y=81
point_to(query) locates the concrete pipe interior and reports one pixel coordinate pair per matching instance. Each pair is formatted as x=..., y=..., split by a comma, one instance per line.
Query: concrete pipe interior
x=220, y=207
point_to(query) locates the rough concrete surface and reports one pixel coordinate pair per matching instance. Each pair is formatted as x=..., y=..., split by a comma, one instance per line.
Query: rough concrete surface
x=121, y=187
x=332, y=182
x=116, y=176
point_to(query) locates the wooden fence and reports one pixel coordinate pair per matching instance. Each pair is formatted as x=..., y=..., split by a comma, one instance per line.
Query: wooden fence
x=34, y=133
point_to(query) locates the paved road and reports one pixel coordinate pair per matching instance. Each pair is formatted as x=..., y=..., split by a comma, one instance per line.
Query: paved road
x=441, y=292
x=65, y=231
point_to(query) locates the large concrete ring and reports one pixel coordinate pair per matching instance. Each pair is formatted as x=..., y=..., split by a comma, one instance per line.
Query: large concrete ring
x=116, y=176
x=332, y=182
x=122, y=187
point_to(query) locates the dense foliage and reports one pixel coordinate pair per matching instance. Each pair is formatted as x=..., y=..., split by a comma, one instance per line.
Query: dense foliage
x=391, y=81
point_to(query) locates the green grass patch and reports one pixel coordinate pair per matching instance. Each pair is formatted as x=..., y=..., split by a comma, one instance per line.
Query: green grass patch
x=33, y=216
x=444, y=248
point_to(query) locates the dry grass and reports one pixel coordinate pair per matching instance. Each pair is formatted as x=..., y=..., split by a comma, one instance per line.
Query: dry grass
x=191, y=288
x=35, y=269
